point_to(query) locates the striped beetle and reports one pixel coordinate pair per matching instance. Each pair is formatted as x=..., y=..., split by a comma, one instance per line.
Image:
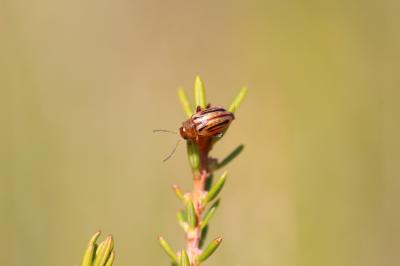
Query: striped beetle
x=208, y=122
x=202, y=126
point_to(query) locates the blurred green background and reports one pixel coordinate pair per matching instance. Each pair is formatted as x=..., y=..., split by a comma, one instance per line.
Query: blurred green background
x=83, y=83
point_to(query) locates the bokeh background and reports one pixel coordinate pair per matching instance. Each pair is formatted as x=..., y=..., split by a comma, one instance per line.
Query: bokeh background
x=83, y=83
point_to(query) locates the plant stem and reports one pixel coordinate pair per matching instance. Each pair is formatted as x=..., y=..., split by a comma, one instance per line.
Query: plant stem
x=193, y=237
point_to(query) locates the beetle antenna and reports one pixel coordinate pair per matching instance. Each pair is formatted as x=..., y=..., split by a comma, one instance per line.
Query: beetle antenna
x=173, y=151
x=164, y=130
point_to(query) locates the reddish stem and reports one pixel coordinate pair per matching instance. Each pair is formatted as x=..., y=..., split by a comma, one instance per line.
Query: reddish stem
x=193, y=237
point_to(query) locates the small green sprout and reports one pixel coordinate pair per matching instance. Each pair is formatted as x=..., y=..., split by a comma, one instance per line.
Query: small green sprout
x=99, y=255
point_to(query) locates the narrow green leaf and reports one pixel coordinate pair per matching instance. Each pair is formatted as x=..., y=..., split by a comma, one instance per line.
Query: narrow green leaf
x=100, y=248
x=174, y=264
x=184, y=259
x=179, y=193
x=181, y=217
x=209, y=181
x=193, y=155
x=187, y=107
x=191, y=214
x=238, y=100
x=94, y=238
x=230, y=157
x=199, y=93
x=104, y=251
x=110, y=260
x=209, y=250
x=168, y=249
x=214, y=191
x=208, y=215
x=90, y=250
x=88, y=256
x=204, y=234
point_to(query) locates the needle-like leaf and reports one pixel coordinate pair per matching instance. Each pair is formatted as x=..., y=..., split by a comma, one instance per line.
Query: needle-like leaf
x=187, y=107
x=193, y=155
x=90, y=250
x=209, y=249
x=168, y=249
x=184, y=259
x=199, y=93
x=94, y=238
x=204, y=234
x=191, y=214
x=216, y=188
x=208, y=215
x=103, y=252
x=88, y=256
x=230, y=157
x=179, y=193
x=110, y=260
x=181, y=217
x=238, y=100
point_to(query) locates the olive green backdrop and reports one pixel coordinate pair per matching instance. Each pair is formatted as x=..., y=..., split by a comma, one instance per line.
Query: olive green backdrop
x=83, y=83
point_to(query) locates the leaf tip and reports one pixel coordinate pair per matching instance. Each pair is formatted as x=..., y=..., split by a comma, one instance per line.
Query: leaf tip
x=238, y=99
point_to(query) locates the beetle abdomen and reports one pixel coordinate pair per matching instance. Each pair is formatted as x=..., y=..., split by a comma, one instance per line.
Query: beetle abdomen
x=212, y=121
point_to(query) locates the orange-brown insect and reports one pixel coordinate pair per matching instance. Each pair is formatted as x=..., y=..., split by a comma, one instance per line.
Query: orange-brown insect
x=202, y=126
x=209, y=122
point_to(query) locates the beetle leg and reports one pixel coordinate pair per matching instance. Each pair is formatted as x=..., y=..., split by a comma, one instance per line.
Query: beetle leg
x=198, y=109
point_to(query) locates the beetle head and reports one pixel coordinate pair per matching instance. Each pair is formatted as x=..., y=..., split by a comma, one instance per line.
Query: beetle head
x=187, y=130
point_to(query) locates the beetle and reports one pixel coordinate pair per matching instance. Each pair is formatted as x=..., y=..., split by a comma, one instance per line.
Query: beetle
x=206, y=123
